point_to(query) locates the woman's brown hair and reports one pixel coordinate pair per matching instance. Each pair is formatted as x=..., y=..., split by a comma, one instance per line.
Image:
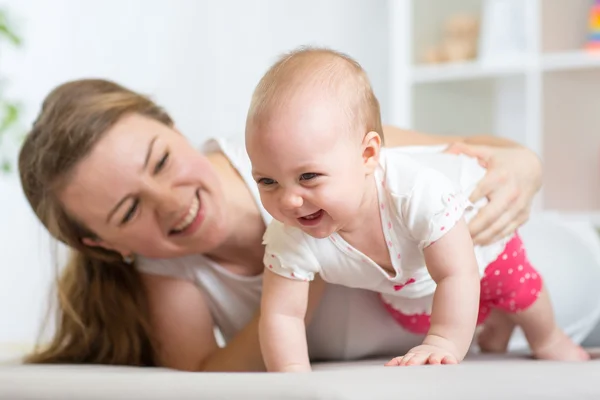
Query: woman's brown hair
x=103, y=314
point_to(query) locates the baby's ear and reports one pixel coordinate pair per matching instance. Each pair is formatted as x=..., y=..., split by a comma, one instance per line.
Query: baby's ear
x=371, y=146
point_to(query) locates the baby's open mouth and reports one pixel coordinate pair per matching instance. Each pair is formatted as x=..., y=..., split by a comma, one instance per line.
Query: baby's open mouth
x=312, y=219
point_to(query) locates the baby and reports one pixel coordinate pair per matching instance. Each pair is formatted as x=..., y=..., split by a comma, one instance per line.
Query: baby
x=373, y=218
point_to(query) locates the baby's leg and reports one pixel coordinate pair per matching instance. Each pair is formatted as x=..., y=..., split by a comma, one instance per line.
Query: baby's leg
x=495, y=333
x=512, y=286
x=546, y=339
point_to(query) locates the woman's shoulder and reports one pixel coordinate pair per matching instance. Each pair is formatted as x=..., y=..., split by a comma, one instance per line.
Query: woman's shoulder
x=233, y=147
x=179, y=268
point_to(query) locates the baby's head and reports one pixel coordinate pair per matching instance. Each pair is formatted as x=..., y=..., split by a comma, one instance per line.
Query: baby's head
x=313, y=134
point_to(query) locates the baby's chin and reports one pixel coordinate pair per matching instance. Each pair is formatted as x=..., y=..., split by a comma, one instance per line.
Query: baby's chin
x=317, y=232
x=318, y=235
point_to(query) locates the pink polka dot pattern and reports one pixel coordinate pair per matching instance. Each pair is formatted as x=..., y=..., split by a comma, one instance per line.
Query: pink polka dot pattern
x=510, y=284
x=416, y=323
x=512, y=277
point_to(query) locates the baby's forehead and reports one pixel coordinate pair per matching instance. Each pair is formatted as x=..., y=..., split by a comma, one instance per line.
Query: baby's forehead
x=310, y=111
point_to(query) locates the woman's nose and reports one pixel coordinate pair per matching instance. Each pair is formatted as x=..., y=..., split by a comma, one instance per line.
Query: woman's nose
x=168, y=202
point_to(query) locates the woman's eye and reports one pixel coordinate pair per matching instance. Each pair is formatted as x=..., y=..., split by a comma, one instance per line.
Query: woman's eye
x=160, y=164
x=308, y=176
x=266, y=181
x=130, y=212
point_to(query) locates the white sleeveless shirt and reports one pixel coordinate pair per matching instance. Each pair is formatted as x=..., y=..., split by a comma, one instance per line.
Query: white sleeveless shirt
x=348, y=324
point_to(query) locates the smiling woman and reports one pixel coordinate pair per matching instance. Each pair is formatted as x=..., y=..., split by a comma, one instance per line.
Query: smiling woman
x=131, y=185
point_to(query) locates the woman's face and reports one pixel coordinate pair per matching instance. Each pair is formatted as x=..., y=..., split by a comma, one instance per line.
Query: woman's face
x=144, y=189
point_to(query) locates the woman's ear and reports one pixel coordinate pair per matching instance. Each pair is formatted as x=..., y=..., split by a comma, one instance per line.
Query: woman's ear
x=90, y=242
x=371, y=145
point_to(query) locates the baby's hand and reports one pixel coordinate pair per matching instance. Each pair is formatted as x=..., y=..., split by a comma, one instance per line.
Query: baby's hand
x=424, y=354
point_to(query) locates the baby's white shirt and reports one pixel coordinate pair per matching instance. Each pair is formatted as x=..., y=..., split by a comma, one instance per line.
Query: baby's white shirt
x=418, y=204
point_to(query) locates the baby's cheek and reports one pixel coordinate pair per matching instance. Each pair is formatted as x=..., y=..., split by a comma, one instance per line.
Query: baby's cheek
x=342, y=200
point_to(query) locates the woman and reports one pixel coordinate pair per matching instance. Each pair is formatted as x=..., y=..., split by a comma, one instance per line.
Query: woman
x=167, y=242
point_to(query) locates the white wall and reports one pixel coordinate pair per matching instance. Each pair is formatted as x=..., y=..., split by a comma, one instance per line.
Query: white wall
x=200, y=59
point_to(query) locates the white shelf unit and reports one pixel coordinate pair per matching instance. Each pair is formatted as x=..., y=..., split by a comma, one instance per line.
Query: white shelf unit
x=547, y=99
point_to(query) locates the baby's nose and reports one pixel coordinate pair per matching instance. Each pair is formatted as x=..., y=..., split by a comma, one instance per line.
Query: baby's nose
x=291, y=200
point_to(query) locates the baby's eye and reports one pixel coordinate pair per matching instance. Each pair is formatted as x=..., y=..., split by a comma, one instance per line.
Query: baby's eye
x=266, y=181
x=308, y=176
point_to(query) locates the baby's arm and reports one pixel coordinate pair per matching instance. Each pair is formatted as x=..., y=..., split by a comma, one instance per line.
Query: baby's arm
x=282, y=331
x=290, y=264
x=452, y=265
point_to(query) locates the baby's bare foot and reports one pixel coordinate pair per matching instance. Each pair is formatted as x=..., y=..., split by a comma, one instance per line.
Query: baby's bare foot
x=559, y=347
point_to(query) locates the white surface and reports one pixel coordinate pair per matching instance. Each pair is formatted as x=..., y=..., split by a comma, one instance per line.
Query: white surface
x=490, y=378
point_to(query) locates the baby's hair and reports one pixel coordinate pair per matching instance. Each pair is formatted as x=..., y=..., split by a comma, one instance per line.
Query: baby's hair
x=310, y=68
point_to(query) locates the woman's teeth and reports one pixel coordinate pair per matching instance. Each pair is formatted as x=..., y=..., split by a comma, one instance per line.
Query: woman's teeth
x=191, y=215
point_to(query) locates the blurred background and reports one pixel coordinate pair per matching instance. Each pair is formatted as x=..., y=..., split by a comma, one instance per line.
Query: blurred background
x=528, y=70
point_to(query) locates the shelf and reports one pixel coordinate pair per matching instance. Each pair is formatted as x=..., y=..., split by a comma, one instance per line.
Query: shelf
x=560, y=61
x=465, y=71
x=564, y=61
x=545, y=97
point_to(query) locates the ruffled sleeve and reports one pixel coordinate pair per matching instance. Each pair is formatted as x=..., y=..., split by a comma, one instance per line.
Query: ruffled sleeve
x=287, y=252
x=433, y=207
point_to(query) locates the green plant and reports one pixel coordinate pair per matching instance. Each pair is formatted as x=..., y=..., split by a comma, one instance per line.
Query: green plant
x=9, y=109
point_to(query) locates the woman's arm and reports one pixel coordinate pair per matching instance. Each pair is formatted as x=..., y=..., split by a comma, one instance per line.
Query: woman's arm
x=183, y=327
x=395, y=137
x=514, y=177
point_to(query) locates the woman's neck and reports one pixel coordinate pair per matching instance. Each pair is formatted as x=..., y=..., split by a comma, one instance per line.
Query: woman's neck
x=242, y=251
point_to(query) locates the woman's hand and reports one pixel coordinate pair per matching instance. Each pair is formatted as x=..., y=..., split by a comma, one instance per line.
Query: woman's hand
x=514, y=177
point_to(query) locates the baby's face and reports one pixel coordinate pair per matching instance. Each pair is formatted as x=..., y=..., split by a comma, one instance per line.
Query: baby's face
x=308, y=167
